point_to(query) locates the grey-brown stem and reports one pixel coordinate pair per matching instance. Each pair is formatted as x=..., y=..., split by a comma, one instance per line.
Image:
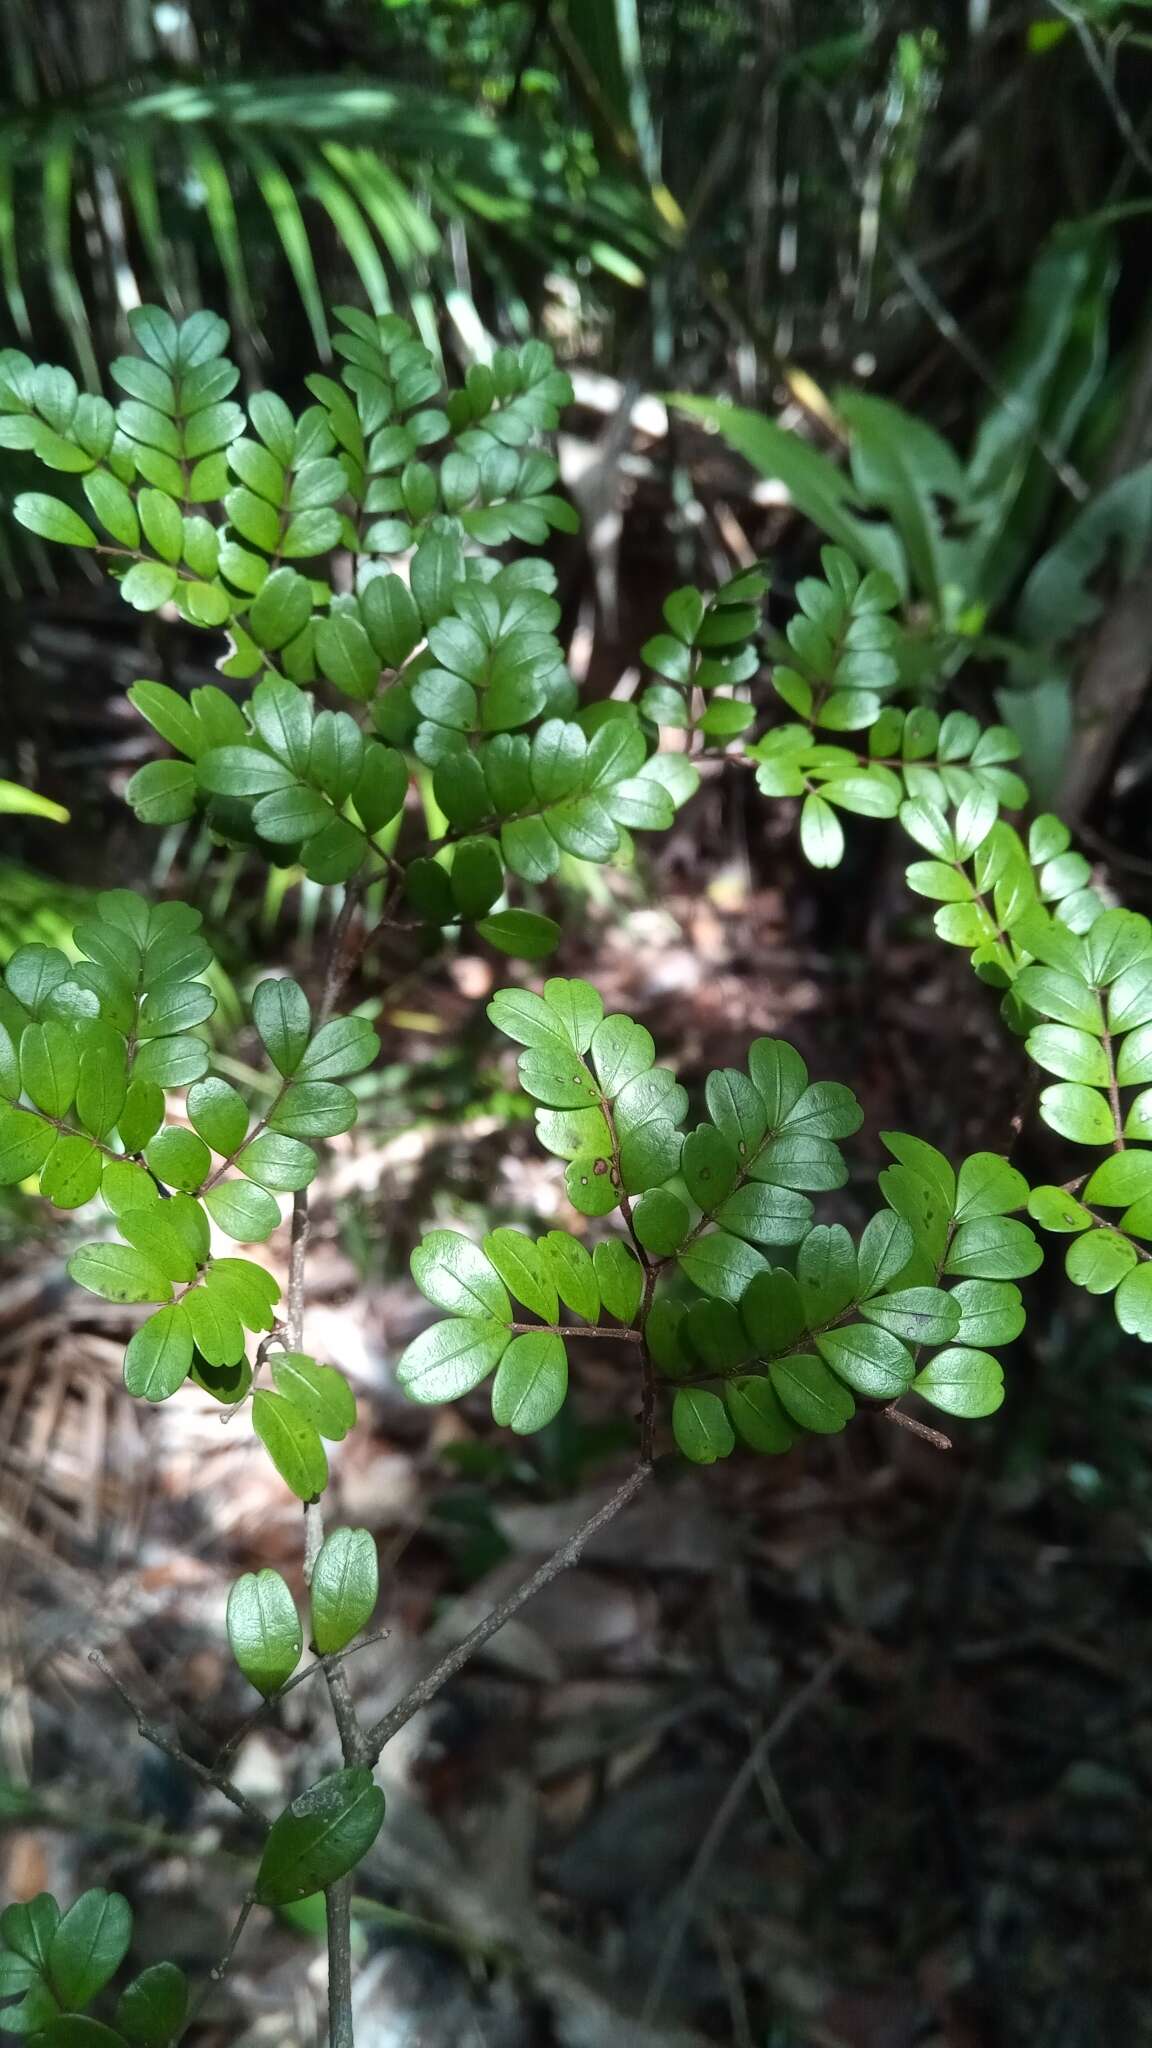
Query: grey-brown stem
x=569, y=1551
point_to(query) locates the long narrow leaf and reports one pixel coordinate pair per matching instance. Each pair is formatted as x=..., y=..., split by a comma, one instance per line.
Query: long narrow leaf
x=205, y=160
x=139, y=170
x=333, y=195
x=901, y=465
x=817, y=488
x=9, y=254
x=56, y=218
x=276, y=191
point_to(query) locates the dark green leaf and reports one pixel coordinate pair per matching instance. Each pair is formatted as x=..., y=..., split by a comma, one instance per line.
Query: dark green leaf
x=178, y=1158
x=710, y=1164
x=71, y=1174
x=757, y=1414
x=993, y=1248
x=772, y=1312
x=170, y=1062
x=824, y=1110
x=88, y=1946
x=49, y=1067
x=314, y=1109
x=324, y=1833
x=811, y=1395
x=346, y=655
x=962, y=1382
x=780, y=1077
x=713, y=1335
x=101, y=1089
x=661, y=1222
x=25, y=1143
x=700, y=1425
x=217, y=1329
x=28, y=1929
x=798, y=1162
x=282, y=1016
x=524, y=934
x=991, y=1312
x=721, y=1265
x=870, y=1361
x=826, y=1271
x=884, y=1250
x=151, y=2011
x=737, y=1108
x=591, y=1183
x=345, y=1045
x=923, y=1315
x=219, y=1115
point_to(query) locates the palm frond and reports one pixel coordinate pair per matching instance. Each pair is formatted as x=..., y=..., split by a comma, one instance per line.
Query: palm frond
x=390, y=174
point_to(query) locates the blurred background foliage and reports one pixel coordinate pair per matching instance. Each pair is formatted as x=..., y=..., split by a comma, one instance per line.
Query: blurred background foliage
x=891, y=258
x=763, y=199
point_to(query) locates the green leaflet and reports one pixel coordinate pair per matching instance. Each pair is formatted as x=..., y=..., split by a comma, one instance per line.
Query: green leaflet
x=344, y=1588
x=264, y=1630
x=292, y=1442
x=323, y=1833
x=531, y=1382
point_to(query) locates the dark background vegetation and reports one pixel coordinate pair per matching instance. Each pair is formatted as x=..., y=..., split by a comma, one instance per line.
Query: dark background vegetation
x=852, y=1748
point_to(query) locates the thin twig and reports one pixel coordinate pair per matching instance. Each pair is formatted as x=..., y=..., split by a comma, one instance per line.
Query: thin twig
x=945, y=322
x=390, y=1724
x=160, y=1739
x=648, y=1369
x=1104, y=80
x=912, y=1422
x=338, y=1914
x=578, y=1330
x=337, y=1897
x=1114, y=1103
x=720, y=1823
x=219, y=1970
x=379, y=1635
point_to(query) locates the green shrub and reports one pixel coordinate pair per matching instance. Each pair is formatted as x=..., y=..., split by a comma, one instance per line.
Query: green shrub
x=456, y=779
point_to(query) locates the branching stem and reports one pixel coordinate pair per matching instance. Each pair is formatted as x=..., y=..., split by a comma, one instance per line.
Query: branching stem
x=214, y=1780
x=420, y=1695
